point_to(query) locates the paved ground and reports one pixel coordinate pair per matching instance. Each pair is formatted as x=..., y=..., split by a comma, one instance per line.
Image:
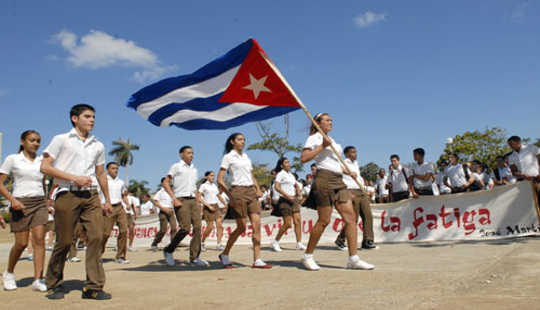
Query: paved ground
x=486, y=275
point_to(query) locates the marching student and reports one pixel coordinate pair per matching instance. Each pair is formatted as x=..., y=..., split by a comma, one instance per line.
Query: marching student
x=421, y=179
x=76, y=160
x=147, y=206
x=162, y=200
x=118, y=195
x=186, y=201
x=524, y=161
x=398, y=181
x=502, y=175
x=313, y=168
x=244, y=194
x=289, y=192
x=211, y=212
x=131, y=217
x=28, y=209
x=360, y=201
x=443, y=189
x=329, y=190
x=380, y=186
x=458, y=177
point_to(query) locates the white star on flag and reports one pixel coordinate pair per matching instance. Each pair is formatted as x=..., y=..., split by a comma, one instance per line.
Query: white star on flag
x=257, y=86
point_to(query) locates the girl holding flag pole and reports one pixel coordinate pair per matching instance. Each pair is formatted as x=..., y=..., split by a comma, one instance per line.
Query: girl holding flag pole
x=327, y=190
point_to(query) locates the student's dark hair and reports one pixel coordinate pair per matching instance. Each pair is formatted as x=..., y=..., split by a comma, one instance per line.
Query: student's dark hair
x=78, y=109
x=396, y=156
x=420, y=151
x=111, y=163
x=228, y=144
x=183, y=148
x=313, y=165
x=317, y=118
x=279, y=163
x=207, y=173
x=514, y=139
x=295, y=176
x=501, y=157
x=454, y=154
x=25, y=135
x=146, y=195
x=347, y=149
x=162, y=179
x=477, y=162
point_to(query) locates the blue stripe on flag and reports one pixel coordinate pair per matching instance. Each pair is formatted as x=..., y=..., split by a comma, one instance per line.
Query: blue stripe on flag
x=254, y=116
x=198, y=104
x=222, y=64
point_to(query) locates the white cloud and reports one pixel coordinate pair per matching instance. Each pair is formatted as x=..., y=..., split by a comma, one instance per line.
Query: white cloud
x=369, y=18
x=98, y=49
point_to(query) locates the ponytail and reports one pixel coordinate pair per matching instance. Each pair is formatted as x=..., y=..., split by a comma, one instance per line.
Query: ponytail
x=279, y=164
x=228, y=144
x=317, y=118
x=24, y=135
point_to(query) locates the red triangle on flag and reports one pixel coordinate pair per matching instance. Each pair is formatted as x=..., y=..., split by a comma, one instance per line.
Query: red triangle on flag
x=257, y=83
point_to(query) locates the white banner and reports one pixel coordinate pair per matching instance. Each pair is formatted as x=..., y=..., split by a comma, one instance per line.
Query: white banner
x=504, y=212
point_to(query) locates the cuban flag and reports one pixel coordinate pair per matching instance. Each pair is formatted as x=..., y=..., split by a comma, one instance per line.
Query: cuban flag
x=240, y=87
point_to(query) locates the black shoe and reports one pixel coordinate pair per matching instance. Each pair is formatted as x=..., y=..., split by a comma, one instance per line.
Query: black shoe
x=95, y=294
x=368, y=245
x=56, y=293
x=340, y=244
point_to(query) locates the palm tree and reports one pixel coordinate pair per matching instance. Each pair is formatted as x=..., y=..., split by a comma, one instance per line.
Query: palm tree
x=138, y=188
x=122, y=153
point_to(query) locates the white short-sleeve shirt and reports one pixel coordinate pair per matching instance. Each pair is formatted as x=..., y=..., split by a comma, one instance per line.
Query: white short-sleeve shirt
x=484, y=177
x=287, y=182
x=146, y=208
x=348, y=180
x=27, y=177
x=526, y=160
x=422, y=169
x=116, y=189
x=76, y=156
x=163, y=198
x=184, y=179
x=306, y=190
x=440, y=181
x=209, y=192
x=381, y=186
x=504, y=172
x=456, y=175
x=326, y=159
x=398, y=179
x=134, y=202
x=239, y=167
x=225, y=197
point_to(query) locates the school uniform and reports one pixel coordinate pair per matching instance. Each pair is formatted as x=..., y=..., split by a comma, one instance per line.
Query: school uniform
x=398, y=178
x=79, y=157
x=184, y=178
x=28, y=189
x=380, y=186
x=360, y=202
x=328, y=187
x=287, y=183
x=118, y=216
x=244, y=195
x=223, y=207
x=134, y=202
x=486, y=179
x=422, y=187
x=165, y=220
x=526, y=160
x=458, y=177
x=147, y=208
x=500, y=173
x=209, y=192
x=443, y=189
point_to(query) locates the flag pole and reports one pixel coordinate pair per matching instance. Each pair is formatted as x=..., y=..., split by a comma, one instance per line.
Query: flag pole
x=306, y=111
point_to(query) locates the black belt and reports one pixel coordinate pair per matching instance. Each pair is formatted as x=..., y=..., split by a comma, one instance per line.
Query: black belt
x=116, y=204
x=187, y=198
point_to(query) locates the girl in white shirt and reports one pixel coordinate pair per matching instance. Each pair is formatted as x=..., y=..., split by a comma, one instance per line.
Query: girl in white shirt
x=28, y=210
x=327, y=190
x=288, y=203
x=212, y=213
x=244, y=195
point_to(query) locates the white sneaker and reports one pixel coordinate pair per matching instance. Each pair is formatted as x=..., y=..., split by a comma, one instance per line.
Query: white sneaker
x=219, y=247
x=200, y=262
x=357, y=263
x=300, y=246
x=75, y=259
x=39, y=286
x=9, y=281
x=203, y=247
x=276, y=247
x=169, y=258
x=131, y=249
x=122, y=261
x=31, y=257
x=310, y=263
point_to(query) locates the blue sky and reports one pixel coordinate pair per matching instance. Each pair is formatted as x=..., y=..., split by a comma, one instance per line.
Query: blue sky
x=394, y=75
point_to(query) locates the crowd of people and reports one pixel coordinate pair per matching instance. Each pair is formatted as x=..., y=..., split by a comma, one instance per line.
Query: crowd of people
x=88, y=199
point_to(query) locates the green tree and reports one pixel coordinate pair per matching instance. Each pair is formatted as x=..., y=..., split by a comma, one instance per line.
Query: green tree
x=262, y=174
x=138, y=188
x=369, y=171
x=278, y=143
x=477, y=145
x=122, y=152
x=537, y=143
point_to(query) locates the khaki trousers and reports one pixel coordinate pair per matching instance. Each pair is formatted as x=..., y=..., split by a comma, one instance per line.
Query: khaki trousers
x=70, y=208
x=118, y=217
x=164, y=221
x=189, y=215
x=362, y=208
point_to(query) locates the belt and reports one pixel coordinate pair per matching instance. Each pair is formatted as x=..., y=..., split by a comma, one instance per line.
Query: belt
x=75, y=188
x=116, y=204
x=244, y=186
x=187, y=198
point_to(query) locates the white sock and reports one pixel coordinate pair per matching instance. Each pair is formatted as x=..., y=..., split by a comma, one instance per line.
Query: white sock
x=354, y=258
x=308, y=256
x=259, y=262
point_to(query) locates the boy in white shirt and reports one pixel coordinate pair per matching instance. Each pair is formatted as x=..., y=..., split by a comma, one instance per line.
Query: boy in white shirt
x=164, y=203
x=458, y=177
x=502, y=175
x=398, y=181
x=524, y=161
x=380, y=187
x=421, y=179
